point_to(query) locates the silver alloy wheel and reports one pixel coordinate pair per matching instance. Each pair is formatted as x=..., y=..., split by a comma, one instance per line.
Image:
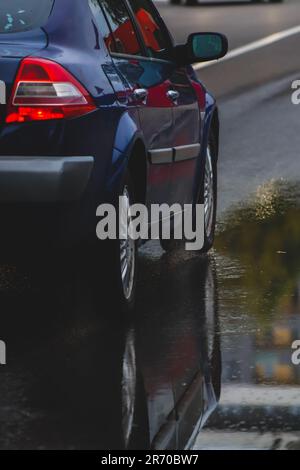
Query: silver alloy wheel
x=127, y=247
x=209, y=196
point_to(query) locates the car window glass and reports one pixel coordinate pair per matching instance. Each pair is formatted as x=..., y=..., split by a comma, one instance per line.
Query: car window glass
x=19, y=15
x=102, y=25
x=122, y=37
x=154, y=36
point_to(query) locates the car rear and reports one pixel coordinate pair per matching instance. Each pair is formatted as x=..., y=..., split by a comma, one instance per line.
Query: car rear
x=37, y=97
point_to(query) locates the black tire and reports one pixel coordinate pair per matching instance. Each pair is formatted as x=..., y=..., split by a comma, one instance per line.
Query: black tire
x=209, y=236
x=191, y=3
x=175, y=2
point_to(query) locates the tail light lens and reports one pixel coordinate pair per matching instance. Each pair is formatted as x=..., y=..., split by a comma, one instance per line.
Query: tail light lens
x=44, y=90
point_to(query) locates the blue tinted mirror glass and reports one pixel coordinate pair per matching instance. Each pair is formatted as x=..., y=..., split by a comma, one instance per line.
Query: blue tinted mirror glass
x=207, y=46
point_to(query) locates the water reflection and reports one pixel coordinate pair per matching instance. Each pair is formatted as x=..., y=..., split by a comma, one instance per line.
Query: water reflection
x=178, y=326
x=259, y=262
x=79, y=376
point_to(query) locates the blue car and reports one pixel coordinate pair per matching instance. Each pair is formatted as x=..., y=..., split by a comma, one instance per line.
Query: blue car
x=97, y=102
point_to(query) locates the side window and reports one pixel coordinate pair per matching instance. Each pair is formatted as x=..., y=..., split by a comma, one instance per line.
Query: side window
x=122, y=37
x=102, y=25
x=154, y=34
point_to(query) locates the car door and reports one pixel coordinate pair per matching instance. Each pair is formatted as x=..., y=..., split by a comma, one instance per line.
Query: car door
x=158, y=71
x=185, y=133
x=147, y=83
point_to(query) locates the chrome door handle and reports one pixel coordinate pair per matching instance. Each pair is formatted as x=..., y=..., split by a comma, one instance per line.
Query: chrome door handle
x=173, y=95
x=140, y=94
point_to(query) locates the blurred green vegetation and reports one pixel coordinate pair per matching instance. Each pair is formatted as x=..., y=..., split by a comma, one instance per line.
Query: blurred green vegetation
x=264, y=237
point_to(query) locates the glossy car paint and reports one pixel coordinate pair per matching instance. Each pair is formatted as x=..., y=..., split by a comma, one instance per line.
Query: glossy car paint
x=110, y=133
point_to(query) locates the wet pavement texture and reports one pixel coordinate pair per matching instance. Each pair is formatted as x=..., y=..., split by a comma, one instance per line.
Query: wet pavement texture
x=77, y=376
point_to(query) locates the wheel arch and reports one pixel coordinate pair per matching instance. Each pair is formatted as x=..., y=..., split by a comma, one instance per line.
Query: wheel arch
x=215, y=128
x=129, y=153
x=138, y=169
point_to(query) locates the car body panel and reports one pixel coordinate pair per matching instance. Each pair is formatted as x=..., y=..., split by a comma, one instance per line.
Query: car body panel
x=160, y=123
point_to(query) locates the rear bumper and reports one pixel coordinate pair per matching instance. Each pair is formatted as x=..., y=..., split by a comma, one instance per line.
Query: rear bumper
x=43, y=179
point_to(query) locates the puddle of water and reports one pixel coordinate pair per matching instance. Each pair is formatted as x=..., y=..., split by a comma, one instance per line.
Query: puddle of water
x=258, y=265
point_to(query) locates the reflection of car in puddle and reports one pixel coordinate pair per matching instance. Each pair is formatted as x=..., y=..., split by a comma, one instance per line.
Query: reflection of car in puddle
x=176, y=359
x=87, y=384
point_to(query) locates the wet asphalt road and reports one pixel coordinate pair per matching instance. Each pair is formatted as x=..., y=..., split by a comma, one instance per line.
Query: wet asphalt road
x=79, y=376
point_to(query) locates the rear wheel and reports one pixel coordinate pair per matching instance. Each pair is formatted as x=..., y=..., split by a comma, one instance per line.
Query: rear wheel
x=115, y=272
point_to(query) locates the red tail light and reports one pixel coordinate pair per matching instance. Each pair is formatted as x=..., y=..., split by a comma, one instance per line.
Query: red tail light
x=44, y=90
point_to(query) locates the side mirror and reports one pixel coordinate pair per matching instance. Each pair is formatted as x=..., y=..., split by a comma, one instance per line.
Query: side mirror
x=202, y=47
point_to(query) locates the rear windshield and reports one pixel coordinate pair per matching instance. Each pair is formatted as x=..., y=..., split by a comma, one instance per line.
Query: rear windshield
x=23, y=15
